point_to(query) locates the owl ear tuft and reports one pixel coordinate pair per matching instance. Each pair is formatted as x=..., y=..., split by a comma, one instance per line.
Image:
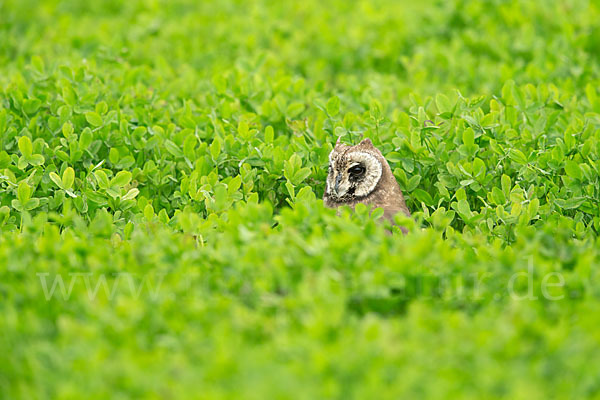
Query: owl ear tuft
x=337, y=142
x=366, y=142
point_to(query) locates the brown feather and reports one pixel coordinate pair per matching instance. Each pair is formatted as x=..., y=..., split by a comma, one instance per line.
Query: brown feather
x=385, y=194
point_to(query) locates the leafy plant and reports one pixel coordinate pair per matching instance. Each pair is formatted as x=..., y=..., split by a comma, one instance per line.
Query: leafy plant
x=161, y=228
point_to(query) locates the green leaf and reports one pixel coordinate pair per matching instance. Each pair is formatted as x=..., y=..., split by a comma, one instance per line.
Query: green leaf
x=62, y=155
x=234, y=184
x=269, y=134
x=36, y=160
x=291, y=166
x=375, y=109
x=85, y=139
x=507, y=92
x=573, y=169
x=121, y=179
x=125, y=162
x=56, y=179
x=5, y=159
x=114, y=156
x=31, y=204
x=243, y=129
x=131, y=194
x=301, y=175
x=149, y=212
x=590, y=92
x=290, y=189
x=68, y=178
x=423, y=196
x=96, y=197
x=102, y=179
x=23, y=192
x=413, y=182
x=442, y=103
x=468, y=137
x=478, y=167
x=506, y=185
x=67, y=129
x=38, y=64
x=93, y=118
x=25, y=146
x=173, y=148
x=80, y=203
x=220, y=197
x=498, y=196
x=101, y=107
x=463, y=208
x=471, y=121
x=377, y=213
x=22, y=163
x=128, y=230
x=215, y=149
x=30, y=106
x=305, y=194
x=571, y=203
x=394, y=157
x=16, y=204
x=442, y=218
x=517, y=156
x=3, y=120
x=361, y=209
x=533, y=207
x=189, y=146
x=113, y=193
x=518, y=96
x=69, y=96
x=333, y=106
x=4, y=214
x=294, y=109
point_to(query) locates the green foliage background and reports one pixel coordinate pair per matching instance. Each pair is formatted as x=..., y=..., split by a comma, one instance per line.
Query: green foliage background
x=164, y=160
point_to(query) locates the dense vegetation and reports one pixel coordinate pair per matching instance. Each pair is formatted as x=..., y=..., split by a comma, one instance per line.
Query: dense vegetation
x=162, y=233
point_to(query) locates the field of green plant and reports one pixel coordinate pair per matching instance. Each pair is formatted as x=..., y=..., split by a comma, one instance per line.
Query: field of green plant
x=161, y=229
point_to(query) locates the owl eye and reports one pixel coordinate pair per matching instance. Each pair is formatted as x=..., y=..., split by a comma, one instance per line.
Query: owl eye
x=357, y=170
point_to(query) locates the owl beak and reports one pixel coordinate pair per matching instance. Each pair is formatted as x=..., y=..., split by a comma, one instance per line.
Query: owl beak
x=338, y=179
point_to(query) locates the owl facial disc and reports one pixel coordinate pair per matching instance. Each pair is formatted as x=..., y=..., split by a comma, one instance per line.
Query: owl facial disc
x=352, y=174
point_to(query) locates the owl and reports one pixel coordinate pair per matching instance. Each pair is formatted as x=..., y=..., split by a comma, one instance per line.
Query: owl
x=360, y=174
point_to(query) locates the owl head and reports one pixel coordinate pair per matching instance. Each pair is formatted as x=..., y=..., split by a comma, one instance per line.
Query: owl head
x=354, y=171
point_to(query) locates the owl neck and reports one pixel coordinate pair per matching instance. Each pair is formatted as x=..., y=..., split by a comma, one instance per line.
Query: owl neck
x=388, y=183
